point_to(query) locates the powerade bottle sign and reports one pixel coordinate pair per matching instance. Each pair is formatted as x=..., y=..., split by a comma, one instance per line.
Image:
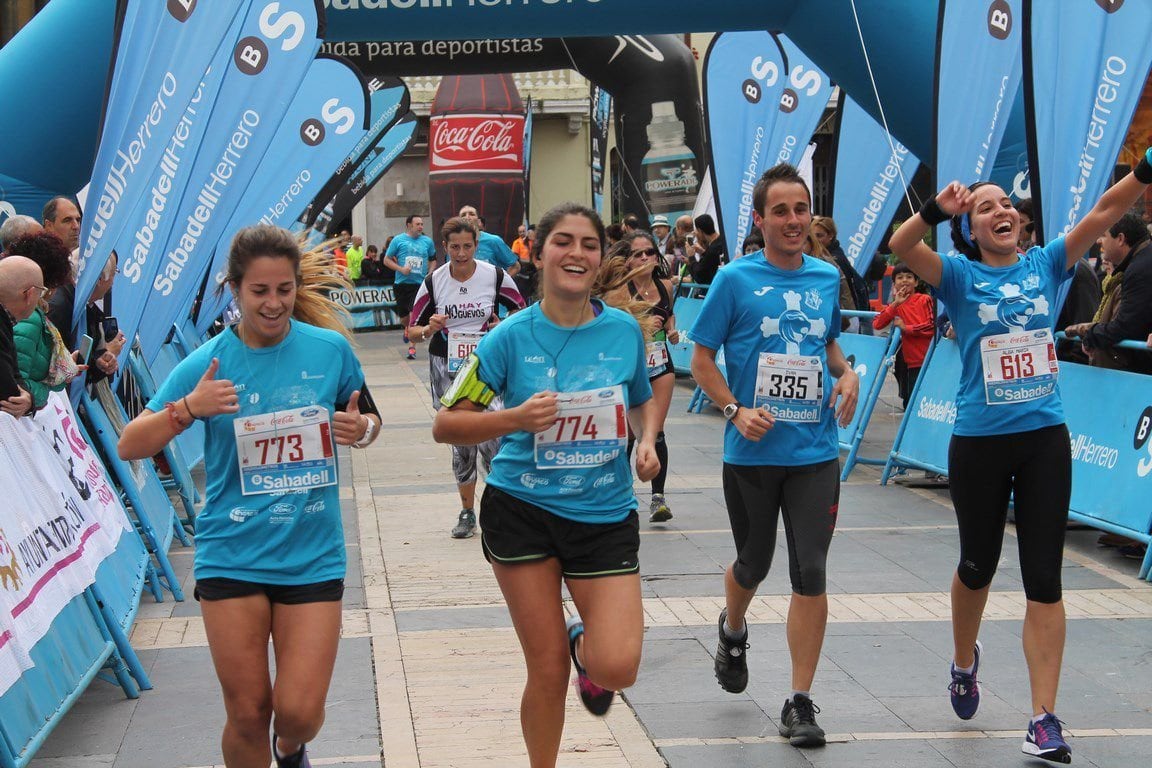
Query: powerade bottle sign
x=669, y=168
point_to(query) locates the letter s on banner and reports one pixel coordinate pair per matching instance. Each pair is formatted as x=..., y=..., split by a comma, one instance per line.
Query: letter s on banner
x=274, y=28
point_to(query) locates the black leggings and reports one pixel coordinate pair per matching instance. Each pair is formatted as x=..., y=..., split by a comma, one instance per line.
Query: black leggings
x=1035, y=470
x=662, y=454
x=809, y=497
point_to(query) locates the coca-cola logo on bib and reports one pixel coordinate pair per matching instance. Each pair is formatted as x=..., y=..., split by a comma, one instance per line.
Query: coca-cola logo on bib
x=477, y=143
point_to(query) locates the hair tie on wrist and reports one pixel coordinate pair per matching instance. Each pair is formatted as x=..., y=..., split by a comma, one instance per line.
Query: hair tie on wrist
x=1143, y=169
x=189, y=409
x=932, y=213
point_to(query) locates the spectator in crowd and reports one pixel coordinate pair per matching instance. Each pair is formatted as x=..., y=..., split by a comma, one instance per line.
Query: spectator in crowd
x=753, y=243
x=631, y=223
x=372, y=270
x=16, y=227
x=354, y=256
x=105, y=351
x=817, y=249
x=46, y=365
x=1125, y=311
x=824, y=230
x=614, y=233
x=1026, y=238
x=21, y=288
x=520, y=244
x=62, y=218
x=662, y=232
x=913, y=312
x=708, y=253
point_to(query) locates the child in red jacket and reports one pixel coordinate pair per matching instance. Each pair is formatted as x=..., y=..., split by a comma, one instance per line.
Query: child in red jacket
x=914, y=314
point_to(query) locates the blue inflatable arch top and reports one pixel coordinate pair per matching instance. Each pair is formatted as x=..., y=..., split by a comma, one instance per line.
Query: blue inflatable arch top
x=53, y=74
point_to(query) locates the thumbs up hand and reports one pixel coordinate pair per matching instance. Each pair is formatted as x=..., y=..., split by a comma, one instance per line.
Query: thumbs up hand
x=212, y=396
x=350, y=425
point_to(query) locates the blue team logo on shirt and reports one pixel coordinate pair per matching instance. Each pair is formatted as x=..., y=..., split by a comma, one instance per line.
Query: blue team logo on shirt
x=1015, y=309
x=793, y=325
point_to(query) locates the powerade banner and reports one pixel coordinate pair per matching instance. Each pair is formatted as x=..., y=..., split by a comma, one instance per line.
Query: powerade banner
x=870, y=172
x=802, y=104
x=390, y=101
x=163, y=52
x=395, y=141
x=327, y=117
x=978, y=73
x=276, y=44
x=601, y=102
x=1085, y=65
x=744, y=78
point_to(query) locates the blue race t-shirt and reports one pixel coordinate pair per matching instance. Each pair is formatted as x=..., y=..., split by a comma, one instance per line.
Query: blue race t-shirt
x=414, y=252
x=754, y=308
x=528, y=353
x=1007, y=302
x=493, y=250
x=270, y=538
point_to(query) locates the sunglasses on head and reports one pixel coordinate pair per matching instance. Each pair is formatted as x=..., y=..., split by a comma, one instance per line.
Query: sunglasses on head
x=645, y=252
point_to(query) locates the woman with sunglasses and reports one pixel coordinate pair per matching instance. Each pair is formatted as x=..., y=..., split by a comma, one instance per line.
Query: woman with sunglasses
x=641, y=258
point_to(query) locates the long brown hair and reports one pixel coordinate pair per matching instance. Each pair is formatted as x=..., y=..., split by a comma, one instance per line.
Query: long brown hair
x=316, y=276
x=612, y=285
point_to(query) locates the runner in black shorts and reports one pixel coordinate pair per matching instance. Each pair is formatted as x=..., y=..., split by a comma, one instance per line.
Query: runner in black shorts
x=558, y=507
x=269, y=565
x=412, y=256
x=1009, y=439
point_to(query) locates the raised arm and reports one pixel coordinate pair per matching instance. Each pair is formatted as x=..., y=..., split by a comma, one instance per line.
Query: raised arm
x=908, y=241
x=1113, y=204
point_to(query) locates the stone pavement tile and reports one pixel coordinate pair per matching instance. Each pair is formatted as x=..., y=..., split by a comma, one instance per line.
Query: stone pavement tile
x=931, y=710
x=902, y=753
x=94, y=726
x=675, y=555
x=454, y=618
x=777, y=755
x=1127, y=752
x=886, y=665
x=677, y=671
x=683, y=720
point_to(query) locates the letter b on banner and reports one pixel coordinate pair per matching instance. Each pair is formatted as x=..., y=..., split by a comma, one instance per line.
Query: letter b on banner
x=251, y=55
x=181, y=10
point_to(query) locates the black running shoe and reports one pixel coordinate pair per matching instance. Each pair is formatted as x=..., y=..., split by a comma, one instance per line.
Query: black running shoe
x=731, y=663
x=798, y=723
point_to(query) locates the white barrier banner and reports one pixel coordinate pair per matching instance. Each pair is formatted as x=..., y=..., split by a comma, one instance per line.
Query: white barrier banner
x=59, y=519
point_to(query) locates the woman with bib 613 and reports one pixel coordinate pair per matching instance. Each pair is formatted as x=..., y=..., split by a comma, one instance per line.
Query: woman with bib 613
x=1009, y=438
x=559, y=504
x=275, y=391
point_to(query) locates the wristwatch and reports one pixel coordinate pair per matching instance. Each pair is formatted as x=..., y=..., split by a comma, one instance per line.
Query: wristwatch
x=730, y=411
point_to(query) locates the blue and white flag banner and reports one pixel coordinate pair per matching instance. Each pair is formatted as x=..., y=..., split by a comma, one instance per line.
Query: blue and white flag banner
x=326, y=119
x=390, y=101
x=161, y=59
x=745, y=75
x=388, y=151
x=1085, y=65
x=60, y=518
x=276, y=44
x=802, y=104
x=867, y=186
x=601, y=105
x=979, y=69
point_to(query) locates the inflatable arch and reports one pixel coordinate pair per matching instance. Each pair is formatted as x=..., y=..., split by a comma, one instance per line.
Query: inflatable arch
x=52, y=75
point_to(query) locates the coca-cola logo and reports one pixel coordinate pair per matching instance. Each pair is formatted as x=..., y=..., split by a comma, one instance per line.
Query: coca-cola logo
x=494, y=143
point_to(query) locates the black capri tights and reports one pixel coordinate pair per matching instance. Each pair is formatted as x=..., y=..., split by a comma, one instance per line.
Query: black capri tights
x=808, y=496
x=1035, y=470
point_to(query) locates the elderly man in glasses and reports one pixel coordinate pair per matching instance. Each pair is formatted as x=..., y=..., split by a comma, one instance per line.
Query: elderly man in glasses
x=21, y=288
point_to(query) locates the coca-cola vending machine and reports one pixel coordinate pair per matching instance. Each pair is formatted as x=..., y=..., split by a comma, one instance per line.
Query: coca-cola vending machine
x=476, y=152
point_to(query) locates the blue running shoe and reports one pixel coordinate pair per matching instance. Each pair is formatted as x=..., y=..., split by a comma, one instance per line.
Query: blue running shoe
x=596, y=700
x=297, y=760
x=1046, y=740
x=965, y=689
